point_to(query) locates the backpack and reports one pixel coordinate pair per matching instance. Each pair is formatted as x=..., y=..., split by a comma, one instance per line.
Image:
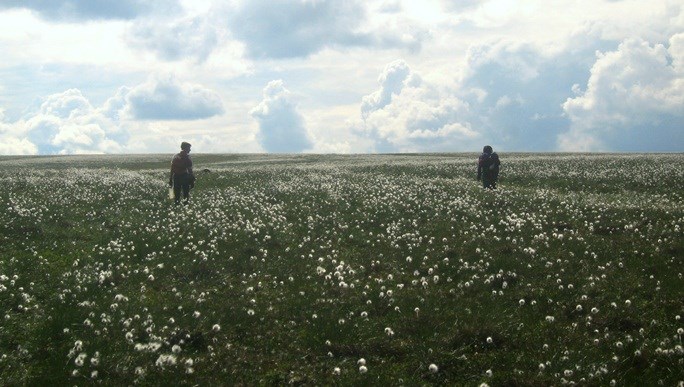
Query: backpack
x=494, y=160
x=490, y=161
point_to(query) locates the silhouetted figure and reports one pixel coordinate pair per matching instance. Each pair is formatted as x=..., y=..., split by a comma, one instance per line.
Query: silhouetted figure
x=182, y=178
x=488, y=167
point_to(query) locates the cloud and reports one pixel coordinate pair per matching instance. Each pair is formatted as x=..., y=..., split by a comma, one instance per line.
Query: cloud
x=166, y=98
x=515, y=89
x=79, y=10
x=64, y=105
x=65, y=123
x=11, y=144
x=281, y=126
x=396, y=75
x=461, y=5
x=634, y=100
x=406, y=114
x=194, y=37
x=298, y=28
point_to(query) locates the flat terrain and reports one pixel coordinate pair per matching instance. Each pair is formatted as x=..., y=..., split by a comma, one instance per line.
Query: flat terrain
x=343, y=270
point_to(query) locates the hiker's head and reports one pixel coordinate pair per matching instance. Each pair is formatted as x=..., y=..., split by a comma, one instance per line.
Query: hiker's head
x=487, y=149
x=185, y=146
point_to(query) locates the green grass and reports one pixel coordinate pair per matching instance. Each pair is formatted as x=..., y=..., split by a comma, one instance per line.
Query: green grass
x=309, y=263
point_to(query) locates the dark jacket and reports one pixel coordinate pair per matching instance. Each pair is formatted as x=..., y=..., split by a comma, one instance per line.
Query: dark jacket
x=181, y=164
x=488, y=166
x=181, y=169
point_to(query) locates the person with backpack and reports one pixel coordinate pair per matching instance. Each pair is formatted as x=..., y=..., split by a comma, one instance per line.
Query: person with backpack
x=182, y=178
x=488, y=167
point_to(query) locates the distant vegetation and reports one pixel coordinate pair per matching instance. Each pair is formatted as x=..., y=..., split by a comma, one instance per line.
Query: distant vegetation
x=351, y=270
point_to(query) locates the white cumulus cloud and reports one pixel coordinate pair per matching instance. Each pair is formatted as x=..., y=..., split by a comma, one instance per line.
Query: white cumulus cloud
x=634, y=99
x=65, y=123
x=11, y=143
x=166, y=98
x=407, y=114
x=281, y=126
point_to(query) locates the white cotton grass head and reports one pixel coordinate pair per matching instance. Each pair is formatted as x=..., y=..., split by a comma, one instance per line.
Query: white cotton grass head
x=433, y=368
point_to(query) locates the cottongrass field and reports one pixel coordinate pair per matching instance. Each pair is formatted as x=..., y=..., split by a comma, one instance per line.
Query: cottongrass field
x=343, y=270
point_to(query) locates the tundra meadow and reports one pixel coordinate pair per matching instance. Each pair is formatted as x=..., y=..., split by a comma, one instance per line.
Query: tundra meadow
x=343, y=270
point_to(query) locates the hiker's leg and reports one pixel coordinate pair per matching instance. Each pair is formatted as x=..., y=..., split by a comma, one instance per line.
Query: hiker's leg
x=186, y=192
x=176, y=190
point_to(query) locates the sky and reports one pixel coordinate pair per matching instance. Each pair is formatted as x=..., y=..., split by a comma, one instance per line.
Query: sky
x=329, y=76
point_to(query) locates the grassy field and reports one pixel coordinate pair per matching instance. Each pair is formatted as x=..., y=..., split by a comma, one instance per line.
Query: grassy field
x=343, y=270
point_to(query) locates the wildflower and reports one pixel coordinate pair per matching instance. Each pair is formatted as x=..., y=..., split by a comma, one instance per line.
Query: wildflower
x=216, y=328
x=80, y=359
x=363, y=369
x=433, y=368
x=165, y=359
x=336, y=371
x=489, y=373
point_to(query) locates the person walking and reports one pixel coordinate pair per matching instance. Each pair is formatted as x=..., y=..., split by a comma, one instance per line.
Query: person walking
x=488, y=167
x=182, y=178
